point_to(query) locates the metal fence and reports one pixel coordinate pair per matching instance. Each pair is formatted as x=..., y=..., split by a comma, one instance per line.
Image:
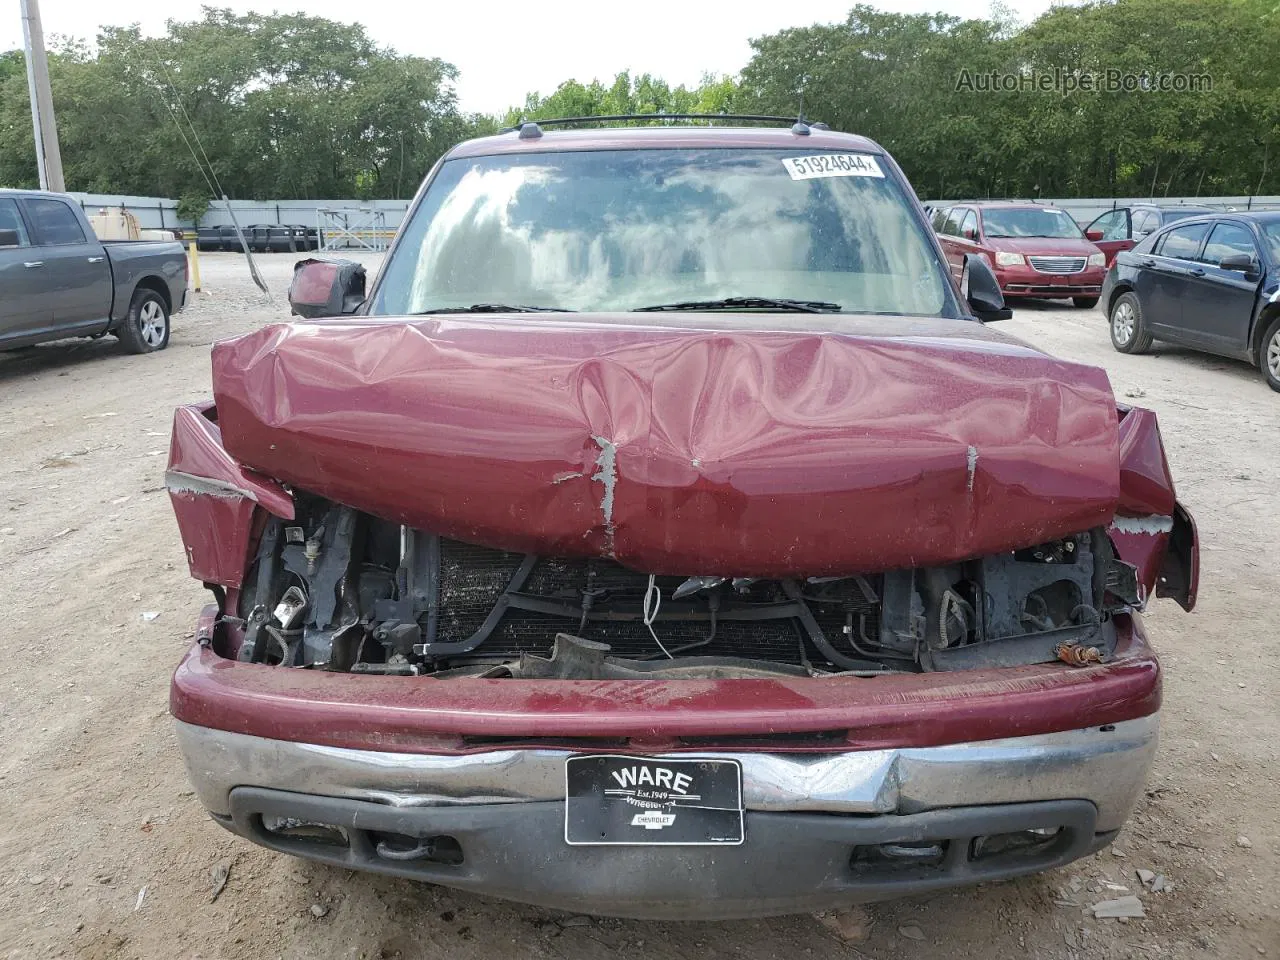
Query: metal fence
x=162, y=213
x=386, y=215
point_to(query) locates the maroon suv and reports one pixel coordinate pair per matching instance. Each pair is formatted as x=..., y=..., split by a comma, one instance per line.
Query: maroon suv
x=1036, y=251
x=664, y=535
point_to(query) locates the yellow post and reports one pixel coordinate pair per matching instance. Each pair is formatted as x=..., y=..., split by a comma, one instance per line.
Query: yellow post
x=195, y=265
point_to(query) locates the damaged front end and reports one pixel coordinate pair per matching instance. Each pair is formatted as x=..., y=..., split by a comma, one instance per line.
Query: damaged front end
x=990, y=521
x=337, y=589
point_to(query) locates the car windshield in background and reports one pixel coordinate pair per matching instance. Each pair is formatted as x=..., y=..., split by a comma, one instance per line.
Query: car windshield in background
x=1030, y=222
x=1171, y=215
x=622, y=230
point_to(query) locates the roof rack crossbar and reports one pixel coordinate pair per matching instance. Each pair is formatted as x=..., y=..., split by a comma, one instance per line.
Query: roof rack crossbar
x=754, y=118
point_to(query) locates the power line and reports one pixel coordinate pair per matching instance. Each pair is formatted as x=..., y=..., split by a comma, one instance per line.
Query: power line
x=159, y=95
x=217, y=192
x=195, y=133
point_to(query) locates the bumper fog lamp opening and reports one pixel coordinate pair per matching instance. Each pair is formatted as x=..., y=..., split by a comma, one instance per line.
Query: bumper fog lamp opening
x=1030, y=841
x=314, y=832
x=903, y=854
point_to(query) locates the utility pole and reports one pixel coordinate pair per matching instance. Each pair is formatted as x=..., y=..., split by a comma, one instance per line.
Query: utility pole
x=48, y=156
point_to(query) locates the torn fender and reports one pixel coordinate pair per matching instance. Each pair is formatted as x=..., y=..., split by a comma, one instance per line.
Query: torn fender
x=215, y=499
x=1151, y=529
x=875, y=443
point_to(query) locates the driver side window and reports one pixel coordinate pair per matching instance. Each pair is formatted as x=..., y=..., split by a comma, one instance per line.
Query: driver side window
x=1228, y=239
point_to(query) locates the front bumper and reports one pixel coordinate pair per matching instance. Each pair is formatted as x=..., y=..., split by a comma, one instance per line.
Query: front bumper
x=791, y=862
x=1052, y=292
x=1027, y=282
x=816, y=823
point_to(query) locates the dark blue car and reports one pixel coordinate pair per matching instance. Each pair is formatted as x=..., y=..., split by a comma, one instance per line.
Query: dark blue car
x=1210, y=282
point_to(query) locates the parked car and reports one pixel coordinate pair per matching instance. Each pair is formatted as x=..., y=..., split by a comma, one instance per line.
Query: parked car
x=1122, y=228
x=1211, y=283
x=707, y=561
x=57, y=279
x=1036, y=251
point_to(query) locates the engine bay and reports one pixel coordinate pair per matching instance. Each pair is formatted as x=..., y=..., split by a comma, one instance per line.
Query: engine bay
x=340, y=590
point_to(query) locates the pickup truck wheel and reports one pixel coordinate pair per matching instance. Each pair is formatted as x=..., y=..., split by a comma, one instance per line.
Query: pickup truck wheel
x=1269, y=355
x=146, y=328
x=1085, y=303
x=1128, y=331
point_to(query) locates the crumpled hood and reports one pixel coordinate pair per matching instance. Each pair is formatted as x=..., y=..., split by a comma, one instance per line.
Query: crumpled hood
x=738, y=445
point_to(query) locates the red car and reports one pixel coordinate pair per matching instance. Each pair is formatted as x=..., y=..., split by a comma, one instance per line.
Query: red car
x=664, y=535
x=1035, y=251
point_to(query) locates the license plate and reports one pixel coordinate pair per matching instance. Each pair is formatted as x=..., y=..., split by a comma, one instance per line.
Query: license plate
x=615, y=800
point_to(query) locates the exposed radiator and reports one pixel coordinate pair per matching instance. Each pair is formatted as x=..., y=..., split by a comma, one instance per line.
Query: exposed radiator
x=472, y=579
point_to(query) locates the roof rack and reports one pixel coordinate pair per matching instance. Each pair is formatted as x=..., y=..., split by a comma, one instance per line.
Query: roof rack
x=531, y=129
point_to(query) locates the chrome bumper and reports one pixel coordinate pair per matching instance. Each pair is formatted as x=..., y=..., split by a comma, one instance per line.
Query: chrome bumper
x=1106, y=766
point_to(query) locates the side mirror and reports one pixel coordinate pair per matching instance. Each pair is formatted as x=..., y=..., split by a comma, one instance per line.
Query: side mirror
x=326, y=288
x=1238, y=261
x=1093, y=234
x=970, y=233
x=981, y=290
x=10, y=238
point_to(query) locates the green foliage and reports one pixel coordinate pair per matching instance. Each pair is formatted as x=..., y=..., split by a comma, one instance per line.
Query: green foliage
x=282, y=106
x=644, y=94
x=299, y=106
x=12, y=63
x=192, y=207
x=896, y=79
x=893, y=77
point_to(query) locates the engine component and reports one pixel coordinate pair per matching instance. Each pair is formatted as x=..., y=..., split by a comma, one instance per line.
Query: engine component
x=342, y=590
x=290, y=608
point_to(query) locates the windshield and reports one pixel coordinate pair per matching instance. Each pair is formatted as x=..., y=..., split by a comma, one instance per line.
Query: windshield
x=1030, y=222
x=619, y=230
x=1172, y=215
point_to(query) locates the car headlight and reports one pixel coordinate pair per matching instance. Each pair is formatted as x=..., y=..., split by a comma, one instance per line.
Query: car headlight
x=1009, y=260
x=1097, y=259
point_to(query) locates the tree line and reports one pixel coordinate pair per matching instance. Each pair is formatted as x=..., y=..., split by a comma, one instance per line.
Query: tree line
x=1112, y=98
x=272, y=105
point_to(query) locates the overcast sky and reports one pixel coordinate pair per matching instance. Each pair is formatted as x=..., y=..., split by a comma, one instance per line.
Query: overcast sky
x=506, y=48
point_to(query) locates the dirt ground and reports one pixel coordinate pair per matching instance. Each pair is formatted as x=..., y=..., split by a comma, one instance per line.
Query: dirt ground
x=105, y=853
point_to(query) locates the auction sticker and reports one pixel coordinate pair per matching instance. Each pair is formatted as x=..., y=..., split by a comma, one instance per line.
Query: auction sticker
x=832, y=165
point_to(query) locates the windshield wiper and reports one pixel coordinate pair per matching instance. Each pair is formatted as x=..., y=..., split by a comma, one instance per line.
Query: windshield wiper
x=744, y=303
x=493, y=308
